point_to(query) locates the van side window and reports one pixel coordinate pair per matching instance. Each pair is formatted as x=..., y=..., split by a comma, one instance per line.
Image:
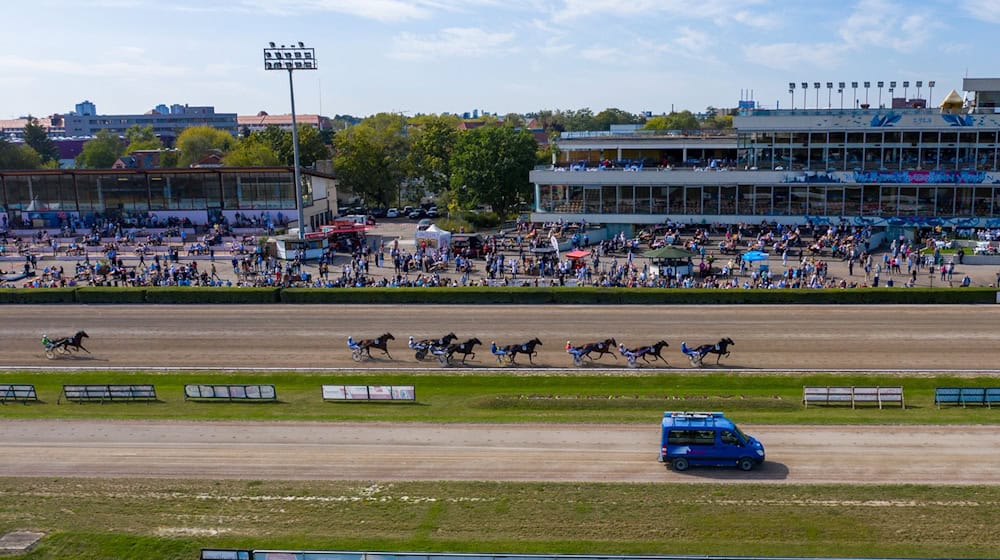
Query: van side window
x=729, y=437
x=704, y=437
x=679, y=437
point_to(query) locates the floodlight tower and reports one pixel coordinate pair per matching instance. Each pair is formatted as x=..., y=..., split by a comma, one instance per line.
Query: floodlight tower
x=816, y=87
x=880, y=84
x=855, y=86
x=840, y=90
x=791, y=91
x=294, y=57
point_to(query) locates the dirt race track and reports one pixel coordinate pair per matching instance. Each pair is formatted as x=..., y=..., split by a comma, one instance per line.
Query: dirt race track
x=793, y=337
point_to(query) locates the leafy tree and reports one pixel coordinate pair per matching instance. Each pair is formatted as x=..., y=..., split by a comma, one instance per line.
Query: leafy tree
x=252, y=151
x=580, y=120
x=311, y=145
x=490, y=165
x=684, y=120
x=101, y=152
x=141, y=138
x=429, y=159
x=610, y=116
x=550, y=121
x=18, y=156
x=369, y=158
x=718, y=122
x=196, y=141
x=36, y=136
x=513, y=120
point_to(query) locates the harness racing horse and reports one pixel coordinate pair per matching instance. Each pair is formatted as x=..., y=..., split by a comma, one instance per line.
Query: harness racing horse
x=512, y=350
x=466, y=349
x=76, y=342
x=606, y=346
x=633, y=354
x=697, y=354
x=380, y=343
x=424, y=346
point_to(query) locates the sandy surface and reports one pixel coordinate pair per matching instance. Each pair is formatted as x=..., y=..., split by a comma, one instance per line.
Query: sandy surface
x=776, y=337
x=869, y=337
x=796, y=455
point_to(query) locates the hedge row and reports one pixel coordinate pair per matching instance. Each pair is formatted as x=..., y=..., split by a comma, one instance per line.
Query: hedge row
x=474, y=295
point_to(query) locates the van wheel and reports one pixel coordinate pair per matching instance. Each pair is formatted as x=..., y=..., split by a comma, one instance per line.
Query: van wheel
x=745, y=464
x=679, y=464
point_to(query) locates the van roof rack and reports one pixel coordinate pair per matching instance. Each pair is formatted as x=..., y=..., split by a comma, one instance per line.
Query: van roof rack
x=688, y=414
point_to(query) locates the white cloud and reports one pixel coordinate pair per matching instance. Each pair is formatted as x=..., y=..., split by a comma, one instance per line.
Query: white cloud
x=608, y=55
x=985, y=10
x=115, y=69
x=386, y=11
x=884, y=24
x=452, y=42
x=783, y=56
x=718, y=11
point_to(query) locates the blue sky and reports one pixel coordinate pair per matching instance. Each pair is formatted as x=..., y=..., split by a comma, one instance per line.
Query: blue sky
x=432, y=56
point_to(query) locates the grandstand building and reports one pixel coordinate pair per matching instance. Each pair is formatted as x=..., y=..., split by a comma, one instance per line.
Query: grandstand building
x=52, y=198
x=905, y=165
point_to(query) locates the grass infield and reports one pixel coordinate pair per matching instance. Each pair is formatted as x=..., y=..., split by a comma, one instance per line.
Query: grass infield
x=158, y=518
x=631, y=397
x=144, y=519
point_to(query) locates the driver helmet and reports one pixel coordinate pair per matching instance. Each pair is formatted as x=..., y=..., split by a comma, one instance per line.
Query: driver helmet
x=44, y=335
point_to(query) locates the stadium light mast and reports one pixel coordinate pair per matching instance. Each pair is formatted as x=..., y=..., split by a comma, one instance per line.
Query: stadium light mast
x=791, y=91
x=880, y=85
x=840, y=90
x=292, y=58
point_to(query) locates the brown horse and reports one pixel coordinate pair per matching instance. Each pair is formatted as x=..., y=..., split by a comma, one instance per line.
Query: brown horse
x=466, y=349
x=379, y=343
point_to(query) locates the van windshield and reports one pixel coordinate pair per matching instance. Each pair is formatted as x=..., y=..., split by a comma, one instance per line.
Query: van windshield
x=744, y=439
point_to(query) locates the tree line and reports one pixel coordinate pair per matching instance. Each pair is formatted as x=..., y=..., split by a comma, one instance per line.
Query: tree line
x=380, y=158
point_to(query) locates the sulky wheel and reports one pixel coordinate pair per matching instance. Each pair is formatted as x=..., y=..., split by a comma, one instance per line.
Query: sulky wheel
x=632, y=363
x=356, y=355
x=50, y=354
x=577, y=360
x=421, y=354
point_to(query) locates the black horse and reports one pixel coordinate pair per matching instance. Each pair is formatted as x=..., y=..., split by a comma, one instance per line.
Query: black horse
x=74, y=342
x=720, y=349
x=528, y=348
x=424, y=346
x=653, y=350
x=606, y=346
x=466, y=349
x=380, y=343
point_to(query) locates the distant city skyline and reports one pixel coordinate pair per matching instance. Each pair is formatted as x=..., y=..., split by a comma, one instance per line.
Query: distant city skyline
x=498, y=56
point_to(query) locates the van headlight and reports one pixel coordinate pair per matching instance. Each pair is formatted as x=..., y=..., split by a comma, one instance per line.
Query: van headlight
x=760, y=452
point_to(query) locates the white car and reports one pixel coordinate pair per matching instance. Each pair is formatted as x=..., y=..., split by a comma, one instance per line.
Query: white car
x=392, y=213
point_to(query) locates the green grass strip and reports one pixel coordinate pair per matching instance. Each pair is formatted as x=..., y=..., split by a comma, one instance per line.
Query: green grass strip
x=634, y=397
x=143, y=519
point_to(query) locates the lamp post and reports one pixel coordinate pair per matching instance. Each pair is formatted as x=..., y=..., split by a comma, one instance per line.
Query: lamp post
x=294, y=57
x=880, y=85
x=791, y=91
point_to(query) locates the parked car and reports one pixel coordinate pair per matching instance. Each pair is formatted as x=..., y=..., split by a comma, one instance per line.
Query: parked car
x=432, y=212
x=378, y=212
x=392, y=213
x=407, y=210
x=424, y=224
x=418, y=213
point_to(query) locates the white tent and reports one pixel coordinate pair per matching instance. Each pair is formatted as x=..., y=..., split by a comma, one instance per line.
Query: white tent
x=433, y=238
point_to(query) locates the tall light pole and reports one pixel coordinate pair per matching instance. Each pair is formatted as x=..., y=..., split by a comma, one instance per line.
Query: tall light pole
x=291, y=58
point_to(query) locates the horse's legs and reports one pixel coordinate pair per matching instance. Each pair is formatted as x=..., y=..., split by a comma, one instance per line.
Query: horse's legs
x=84, y=349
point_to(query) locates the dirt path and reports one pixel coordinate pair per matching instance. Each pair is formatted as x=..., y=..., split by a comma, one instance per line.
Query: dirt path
x=796, y=455
x=839, y=337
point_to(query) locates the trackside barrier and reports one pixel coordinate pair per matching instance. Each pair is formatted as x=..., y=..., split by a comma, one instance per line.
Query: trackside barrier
x=101, y=393
x=17, y=393
x=853, y=396
x=987, y=396
x=247, y=554
x=230, y=392
x=340, y=393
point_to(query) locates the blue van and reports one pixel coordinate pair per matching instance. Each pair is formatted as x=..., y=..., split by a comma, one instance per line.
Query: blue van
x=706, y=438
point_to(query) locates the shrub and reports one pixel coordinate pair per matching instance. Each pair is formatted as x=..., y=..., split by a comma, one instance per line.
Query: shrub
x=39, y=295
x=174, y=295
x=110, y=294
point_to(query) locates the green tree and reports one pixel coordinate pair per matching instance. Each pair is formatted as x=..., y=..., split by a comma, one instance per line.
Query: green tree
x=18, y=156
x=490, y=165
x=718, y=122
x=432, y=142
x=580, y=120
x=610, y=116
x=370, y=158
x=101, y=152
x=251, y=151
x=141, y=138
x=197, y=141
x=311, y=144
x=36, y=136
x=684, y=120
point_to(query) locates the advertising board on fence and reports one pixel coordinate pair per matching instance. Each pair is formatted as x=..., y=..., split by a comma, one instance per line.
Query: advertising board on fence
x=369, y=393
x=231, y=392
